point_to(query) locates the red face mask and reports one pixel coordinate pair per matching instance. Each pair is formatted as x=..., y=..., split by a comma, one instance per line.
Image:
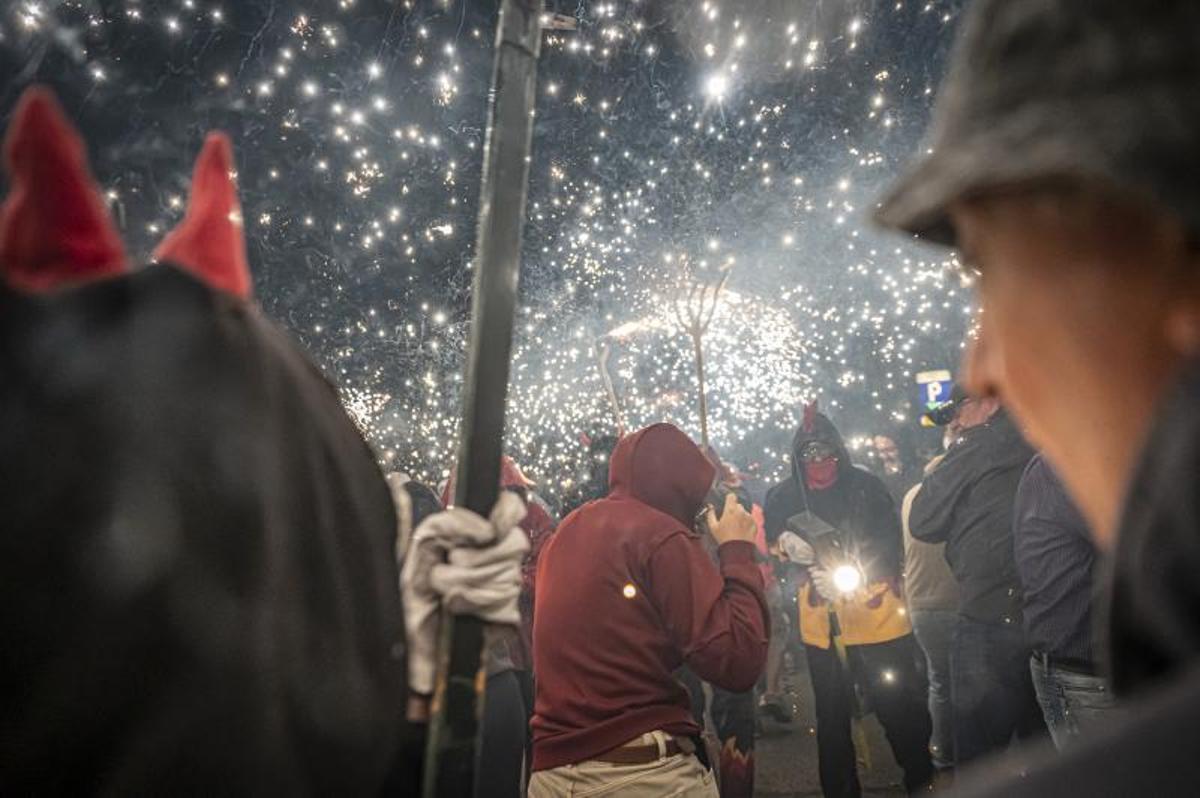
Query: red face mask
x=821, y=474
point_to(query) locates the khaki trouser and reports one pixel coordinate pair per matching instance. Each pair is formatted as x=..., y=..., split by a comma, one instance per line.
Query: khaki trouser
x=680, y=776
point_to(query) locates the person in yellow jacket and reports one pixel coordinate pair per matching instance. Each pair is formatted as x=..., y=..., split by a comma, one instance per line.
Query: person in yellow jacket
x=840, y=522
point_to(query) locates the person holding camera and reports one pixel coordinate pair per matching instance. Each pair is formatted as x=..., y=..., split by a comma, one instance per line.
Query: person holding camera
x=840, y=522
x=626, y=595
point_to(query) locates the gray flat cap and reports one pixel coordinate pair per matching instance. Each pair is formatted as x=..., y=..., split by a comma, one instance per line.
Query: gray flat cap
x=1095, y=91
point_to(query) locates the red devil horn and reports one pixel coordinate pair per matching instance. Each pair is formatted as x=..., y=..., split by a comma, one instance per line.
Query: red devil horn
x=810, y=416
x=54, y=227
x=208, y=242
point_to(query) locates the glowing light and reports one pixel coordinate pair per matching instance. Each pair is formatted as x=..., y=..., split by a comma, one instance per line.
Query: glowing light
x=847, y=578
x=629, y=591
x=716, y=86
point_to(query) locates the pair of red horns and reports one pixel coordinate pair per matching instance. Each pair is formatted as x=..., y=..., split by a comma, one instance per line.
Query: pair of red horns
x=55, y=229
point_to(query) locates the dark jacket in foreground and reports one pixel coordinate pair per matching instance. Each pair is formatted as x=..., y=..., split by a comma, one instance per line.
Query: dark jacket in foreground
x=967, y=503
x=1153, y=620
x=1153, y=625
x=198, y=593
x=197, y=585
x=626, y=594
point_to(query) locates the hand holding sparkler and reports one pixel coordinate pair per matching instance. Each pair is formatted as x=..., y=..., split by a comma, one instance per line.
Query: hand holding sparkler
x=823, y=583
x=841, y=582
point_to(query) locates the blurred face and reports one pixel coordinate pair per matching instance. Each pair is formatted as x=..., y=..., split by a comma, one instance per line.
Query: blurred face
x=889, y=453
x=1086, y=312
x=820, y=461
x=973, y=412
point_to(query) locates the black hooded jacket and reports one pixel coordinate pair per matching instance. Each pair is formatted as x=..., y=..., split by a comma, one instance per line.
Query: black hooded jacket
x=967, y=503
x=858, y=504
x=198, y=592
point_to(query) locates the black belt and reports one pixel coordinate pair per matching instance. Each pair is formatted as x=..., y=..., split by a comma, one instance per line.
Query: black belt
x=1081, y=666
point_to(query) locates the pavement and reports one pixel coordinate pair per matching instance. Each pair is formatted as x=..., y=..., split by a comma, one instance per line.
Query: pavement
x=786, y=754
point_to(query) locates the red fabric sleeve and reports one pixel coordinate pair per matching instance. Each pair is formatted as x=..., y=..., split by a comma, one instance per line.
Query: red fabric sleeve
x=718, y=619
x=539, y=527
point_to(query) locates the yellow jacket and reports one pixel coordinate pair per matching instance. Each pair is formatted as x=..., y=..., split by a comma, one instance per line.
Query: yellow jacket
x=875, y=614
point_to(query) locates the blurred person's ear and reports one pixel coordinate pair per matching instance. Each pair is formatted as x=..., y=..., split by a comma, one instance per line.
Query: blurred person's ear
x=980, y=367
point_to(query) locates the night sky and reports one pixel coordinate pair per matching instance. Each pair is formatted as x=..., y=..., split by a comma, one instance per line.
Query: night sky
x=673, y=140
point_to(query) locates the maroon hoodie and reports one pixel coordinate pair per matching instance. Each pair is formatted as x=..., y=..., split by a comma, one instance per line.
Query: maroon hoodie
x=627, y=594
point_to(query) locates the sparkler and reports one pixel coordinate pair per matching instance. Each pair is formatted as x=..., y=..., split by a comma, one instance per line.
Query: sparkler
x=361, y=129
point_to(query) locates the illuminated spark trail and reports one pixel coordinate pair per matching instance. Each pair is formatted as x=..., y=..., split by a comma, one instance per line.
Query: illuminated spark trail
x=754, y=134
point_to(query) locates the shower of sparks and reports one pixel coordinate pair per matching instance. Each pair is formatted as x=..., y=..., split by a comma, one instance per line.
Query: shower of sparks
x=755, y=133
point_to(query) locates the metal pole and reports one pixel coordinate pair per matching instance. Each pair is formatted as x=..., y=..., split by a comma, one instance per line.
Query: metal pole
x=698, y=348
x=450, y=756
x=605, y=352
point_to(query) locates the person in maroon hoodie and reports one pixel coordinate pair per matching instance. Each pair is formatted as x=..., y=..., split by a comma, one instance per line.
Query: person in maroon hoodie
x=626, y=595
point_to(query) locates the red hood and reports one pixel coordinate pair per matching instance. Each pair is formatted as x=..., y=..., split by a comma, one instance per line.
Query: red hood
x=661, y=467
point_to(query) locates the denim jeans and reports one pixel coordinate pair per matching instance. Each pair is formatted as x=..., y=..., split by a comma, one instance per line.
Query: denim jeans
x=993, y=689
x=934, y=630
x=1074, y=704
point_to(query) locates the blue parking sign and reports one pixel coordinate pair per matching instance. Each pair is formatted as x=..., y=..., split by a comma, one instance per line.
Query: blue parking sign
x=934, y=388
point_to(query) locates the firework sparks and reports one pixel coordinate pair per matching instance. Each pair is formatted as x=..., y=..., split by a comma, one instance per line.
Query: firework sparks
x=757, y=134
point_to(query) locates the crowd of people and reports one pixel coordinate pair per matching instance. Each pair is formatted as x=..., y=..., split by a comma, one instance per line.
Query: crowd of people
x=208, y=585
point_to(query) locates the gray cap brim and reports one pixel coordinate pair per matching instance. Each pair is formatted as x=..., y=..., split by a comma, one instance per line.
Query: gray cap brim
x=1033, y=146
x=1095, y=92
x=919, y=203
